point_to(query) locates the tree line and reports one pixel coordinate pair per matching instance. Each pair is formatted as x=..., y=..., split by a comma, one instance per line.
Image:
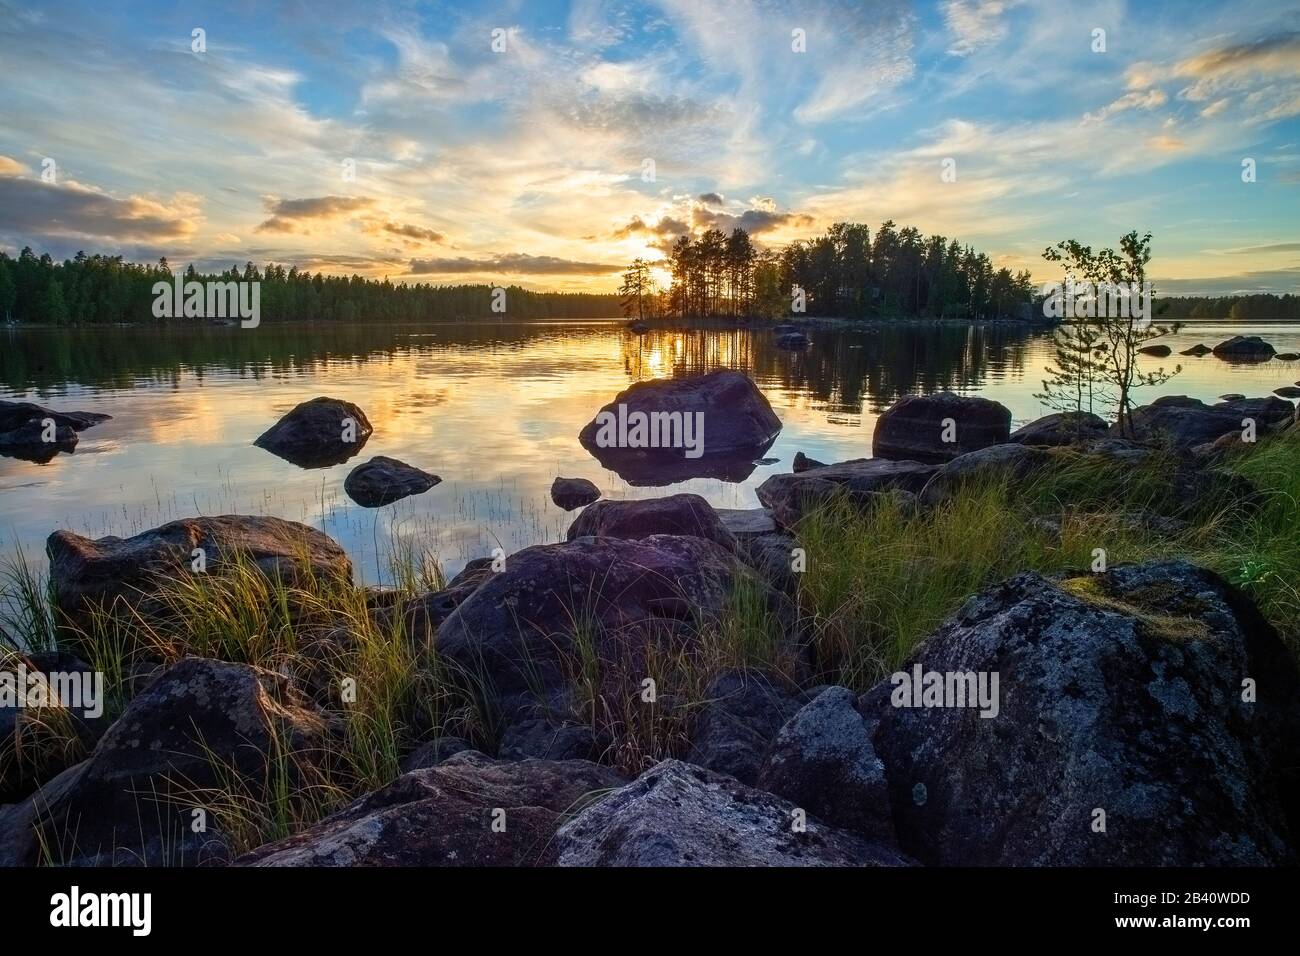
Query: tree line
x=1261, y=307
x=103, y=289
x=847, y=272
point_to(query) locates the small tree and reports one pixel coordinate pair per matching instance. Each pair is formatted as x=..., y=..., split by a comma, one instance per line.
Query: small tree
x=637, y=288
x=1096, y=356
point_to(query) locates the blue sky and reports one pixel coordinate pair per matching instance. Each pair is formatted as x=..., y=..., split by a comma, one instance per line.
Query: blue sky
x=393, y=140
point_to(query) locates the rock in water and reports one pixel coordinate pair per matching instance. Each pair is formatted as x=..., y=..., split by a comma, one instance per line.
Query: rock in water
x=1062, y=428
x=1245, y=348
x=1198, y=349
x=570, y=493
x=1180, y=422
x=87, y=572
x=676, y=814
x=198, y=724
x=803, y=463
x=1119, y=693
x=318, y=433
x=447, y=815
x=633, y=520
x=937, y=428
x=17, y=414
x=381, y=481
x=1160, y=351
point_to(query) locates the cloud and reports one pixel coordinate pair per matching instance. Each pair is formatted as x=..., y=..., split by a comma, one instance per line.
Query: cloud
x=11, y=167
x=36, y=209
x=514, y=263
x=1137, y=99
x=975, y=23
x=292, y=215
x=666, y=226
x=753, y=221
x=710, y=199
x=403, y=230
x=1276, y=281
x=1262, y=250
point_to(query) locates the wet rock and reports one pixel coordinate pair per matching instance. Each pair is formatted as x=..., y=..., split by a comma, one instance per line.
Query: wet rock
x=570, y=493
x=740, y=714
x=1120, y=692
x=445, y=816
x=15, y=415
x=1244, y=348
x=316, y=433
x=130, y=803
x=824, y=761
x=791, y=497
x=674, y=514
x=1062, y=428
x=677, y=814
x=803, y=463
x=914, y=427
x=381, y=481
x=100, y=572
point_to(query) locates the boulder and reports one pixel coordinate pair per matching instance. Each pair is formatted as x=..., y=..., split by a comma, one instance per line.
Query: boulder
x=1119, y=693
x=1061, y=428
x=677, y=814
x=450, y=815
x=862, y=481
x=86, y=572
x=803, y=463
x=28, y=441
x=1160, y=351
x=381, y=481
x=424, y=613
x=633, y=520
x=434, y=752
x=746, y=521
x=199, y=724
x=1232, y=397
x=1198, y=350
x=315, y=433
x=914, y=427
x=1287, y=356
x=738, y=426
x=570, y=493
x=543, y=739
x=1244, y=348
x=995, y=462
x=824, y=761
x=601, y=601
x=793, y=341
x=17, y=414
x=1180, y=422
x=1287, y=391
x=739, y=714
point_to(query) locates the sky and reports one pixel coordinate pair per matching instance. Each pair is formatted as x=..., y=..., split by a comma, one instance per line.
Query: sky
x=548, y=144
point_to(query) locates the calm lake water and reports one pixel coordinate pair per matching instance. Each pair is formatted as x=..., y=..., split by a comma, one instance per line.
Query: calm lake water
x=493, y=408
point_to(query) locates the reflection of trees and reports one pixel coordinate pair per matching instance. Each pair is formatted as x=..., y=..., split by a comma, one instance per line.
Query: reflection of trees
x=841, y=368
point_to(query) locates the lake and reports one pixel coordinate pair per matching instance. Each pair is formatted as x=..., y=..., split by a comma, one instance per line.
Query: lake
x=494, y=408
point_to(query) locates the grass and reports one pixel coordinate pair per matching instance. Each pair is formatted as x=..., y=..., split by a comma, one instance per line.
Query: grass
x=877, y=583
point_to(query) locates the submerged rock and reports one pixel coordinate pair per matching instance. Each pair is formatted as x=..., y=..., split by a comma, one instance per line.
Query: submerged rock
x=570, y=493
x=318, y=433
x=381, y=481
x=939, y=427
x=676, y=814
x=1122, y=730
x=469, y=810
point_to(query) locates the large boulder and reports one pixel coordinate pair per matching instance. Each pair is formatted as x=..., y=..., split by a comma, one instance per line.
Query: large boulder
x=423, y=613
x=591, y=603
x=34, y=441
x=17, y=414
x=1180, y=422
x=317, y=433
x=736, y=425
x=790, y=497
x=87, y=573
x=739, y=714
x=915, y=427
x=1061, y=428
x=824, y=761
x=196, y=728
x=469, y=810
x=1268, y=411
x=996, y=462
x=1245, y=348
x=1144, y=716
x=674, y=514
x=382, y=480
x=677, y=814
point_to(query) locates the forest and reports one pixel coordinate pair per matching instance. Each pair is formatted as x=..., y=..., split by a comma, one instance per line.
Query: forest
x=100, y=290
